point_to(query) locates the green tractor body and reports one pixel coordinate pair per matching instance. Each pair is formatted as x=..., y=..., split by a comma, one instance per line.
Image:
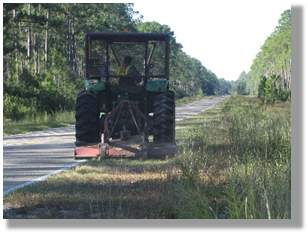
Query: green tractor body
x=121, y=101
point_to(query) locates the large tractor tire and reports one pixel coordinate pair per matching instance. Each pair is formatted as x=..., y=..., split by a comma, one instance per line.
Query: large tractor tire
x=87, y=128
x=164, y=118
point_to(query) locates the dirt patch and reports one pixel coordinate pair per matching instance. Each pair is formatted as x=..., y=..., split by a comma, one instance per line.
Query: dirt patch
x=131, y=147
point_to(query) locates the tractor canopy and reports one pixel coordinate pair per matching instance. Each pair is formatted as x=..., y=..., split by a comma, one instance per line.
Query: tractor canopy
x=105, y=53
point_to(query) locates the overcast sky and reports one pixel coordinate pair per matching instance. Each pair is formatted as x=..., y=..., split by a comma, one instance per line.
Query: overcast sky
x=225, y=37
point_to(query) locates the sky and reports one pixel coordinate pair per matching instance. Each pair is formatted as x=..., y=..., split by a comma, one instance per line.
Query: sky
x=231, y=36
x=224, y=36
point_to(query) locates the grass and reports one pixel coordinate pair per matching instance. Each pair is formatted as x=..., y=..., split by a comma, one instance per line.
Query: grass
x=250, y=145
x=60, y=119
x=108, y=189
x=40, y=122
x=234, y=162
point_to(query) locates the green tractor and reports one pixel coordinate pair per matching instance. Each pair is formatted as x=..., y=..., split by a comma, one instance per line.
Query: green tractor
x=126, y=108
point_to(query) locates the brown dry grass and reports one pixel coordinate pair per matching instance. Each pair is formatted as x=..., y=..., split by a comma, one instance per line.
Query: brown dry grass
x=107, y=189
x=220, y=171
x=125, y=188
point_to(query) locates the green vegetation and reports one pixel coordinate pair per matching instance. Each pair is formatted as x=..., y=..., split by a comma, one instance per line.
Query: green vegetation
x=43, y=55
x=234, y=162
x=38, y=122
x=271, y=69
x=269, y=93
x=30, y=99
x=45, y=120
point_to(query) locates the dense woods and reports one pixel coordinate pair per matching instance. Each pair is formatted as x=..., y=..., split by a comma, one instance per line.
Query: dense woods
x=270, y=73
x=237, y=165
x=43, y=56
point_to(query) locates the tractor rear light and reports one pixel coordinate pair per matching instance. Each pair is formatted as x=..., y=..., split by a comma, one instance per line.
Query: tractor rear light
x=92, y=83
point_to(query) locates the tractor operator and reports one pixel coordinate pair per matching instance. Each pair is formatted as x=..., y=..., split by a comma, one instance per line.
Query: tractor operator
x=127, y=69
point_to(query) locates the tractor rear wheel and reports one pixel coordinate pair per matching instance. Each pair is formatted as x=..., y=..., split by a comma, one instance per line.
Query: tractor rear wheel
x=87, y=128
x=164, y=118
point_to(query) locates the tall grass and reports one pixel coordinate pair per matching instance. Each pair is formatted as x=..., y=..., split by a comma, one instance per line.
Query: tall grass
x=260, y=159
x=252, y=144
x=38, y=121
x=234, y=162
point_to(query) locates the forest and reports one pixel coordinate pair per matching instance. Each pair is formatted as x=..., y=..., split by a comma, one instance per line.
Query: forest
x=270, y=73
x=237, y=165
x=43, y=56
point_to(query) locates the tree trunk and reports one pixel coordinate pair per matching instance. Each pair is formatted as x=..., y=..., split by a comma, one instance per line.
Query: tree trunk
x=16, y=46
x=46, y=40
x=289, y=75
x=74, y=50
x=23, y=62
x=29, y=32
x=69, y=40
x=35, y=52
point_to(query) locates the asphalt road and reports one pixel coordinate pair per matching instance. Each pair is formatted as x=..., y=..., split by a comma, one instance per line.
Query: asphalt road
x=194, y=108
x=35, y=154
x=29, y=156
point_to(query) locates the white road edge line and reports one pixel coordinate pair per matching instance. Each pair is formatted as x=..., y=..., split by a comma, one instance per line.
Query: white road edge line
x=43, y=177
x=65, y=168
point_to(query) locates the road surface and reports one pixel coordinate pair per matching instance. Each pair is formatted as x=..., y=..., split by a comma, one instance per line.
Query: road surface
x=29, y=156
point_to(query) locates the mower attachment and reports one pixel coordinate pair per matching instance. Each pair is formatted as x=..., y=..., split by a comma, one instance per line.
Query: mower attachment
x=122, y=149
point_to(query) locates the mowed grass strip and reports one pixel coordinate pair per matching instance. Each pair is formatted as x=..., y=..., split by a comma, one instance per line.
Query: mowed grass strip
x=234, y=162
x=117, y=188
x=100, y=189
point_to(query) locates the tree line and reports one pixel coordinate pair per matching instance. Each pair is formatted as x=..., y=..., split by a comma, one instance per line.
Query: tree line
x=43, y=54
x=270, y=73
